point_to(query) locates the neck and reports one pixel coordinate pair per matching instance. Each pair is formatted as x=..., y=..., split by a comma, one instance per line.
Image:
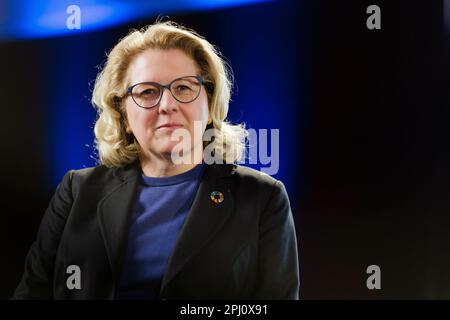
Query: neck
x=163, y=166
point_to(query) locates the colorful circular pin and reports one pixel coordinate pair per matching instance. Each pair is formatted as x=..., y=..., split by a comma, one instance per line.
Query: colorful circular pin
x=217, y=196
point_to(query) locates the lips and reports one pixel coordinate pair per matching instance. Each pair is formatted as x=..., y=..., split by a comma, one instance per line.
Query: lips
x=171, y=125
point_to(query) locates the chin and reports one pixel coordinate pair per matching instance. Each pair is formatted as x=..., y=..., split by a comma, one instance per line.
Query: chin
x=167, y=149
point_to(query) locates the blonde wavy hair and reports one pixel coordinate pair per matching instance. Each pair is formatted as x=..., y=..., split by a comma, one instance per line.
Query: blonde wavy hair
x=116, y=147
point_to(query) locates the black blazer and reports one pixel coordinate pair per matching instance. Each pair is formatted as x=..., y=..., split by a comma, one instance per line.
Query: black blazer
x=242, y=248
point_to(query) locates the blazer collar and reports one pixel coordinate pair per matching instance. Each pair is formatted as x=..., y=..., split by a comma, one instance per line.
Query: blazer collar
x=212, y=172
x=202, y=222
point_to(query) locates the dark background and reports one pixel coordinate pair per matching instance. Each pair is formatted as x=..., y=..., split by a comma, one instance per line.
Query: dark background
x=364, y=136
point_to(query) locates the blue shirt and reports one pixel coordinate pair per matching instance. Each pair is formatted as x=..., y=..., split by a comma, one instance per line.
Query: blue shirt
x=161, y=207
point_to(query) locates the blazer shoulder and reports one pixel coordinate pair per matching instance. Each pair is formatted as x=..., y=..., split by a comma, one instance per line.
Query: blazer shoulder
x=250, y=175
x=91, y=172
x=92, y=175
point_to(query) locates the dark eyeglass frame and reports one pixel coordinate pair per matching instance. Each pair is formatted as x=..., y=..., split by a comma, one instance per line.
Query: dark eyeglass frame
x=162, y=87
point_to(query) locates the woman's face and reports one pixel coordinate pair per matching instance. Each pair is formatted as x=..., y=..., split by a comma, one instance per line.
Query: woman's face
x=163, y=66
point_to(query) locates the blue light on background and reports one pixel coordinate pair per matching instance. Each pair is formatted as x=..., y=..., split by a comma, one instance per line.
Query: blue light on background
x=262, y=55
x=24, y=19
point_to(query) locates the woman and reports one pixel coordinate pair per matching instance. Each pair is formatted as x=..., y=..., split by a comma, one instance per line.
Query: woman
x=157, y=220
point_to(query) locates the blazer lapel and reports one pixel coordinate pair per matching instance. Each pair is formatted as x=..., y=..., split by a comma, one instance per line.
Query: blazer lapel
x=114, y=213
x=203, y=221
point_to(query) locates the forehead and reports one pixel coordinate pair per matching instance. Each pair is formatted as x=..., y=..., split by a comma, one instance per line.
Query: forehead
x=160, y=66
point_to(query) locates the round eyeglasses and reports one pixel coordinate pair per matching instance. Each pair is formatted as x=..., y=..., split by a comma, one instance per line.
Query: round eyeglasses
x=148, y=94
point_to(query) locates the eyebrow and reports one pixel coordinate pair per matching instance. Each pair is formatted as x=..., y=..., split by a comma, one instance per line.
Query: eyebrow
x=154, y=81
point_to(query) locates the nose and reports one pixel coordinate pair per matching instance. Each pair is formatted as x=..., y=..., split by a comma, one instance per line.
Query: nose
x=167, y=104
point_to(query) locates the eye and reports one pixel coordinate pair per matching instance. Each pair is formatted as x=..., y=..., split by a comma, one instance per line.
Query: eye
x=182, y=88
x=148, y=92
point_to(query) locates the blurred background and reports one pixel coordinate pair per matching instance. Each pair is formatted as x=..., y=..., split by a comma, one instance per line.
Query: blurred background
x=363, y=118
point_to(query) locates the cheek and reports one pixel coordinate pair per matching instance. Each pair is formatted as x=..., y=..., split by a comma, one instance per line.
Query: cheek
x=197, y=115
x=201, y=114
x=202, y=108
x=131, y=114
x=138, y=118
